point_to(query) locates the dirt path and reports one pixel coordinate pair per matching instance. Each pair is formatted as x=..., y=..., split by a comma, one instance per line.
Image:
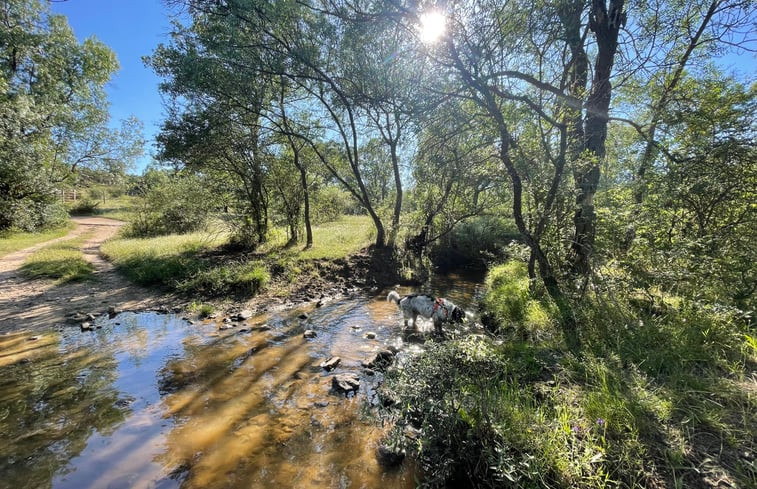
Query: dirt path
x=39, y=304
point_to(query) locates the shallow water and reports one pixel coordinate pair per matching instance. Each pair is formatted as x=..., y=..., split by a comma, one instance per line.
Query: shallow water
x=151, y=401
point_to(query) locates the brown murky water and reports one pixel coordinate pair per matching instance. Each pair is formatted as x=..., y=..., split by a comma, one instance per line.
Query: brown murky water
x=151, y=401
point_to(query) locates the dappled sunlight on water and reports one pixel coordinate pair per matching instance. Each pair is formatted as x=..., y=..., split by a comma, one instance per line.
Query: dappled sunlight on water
x=152, y=401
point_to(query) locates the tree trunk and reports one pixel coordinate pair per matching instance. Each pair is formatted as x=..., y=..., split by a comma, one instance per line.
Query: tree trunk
x=398, y=197
x=605, y=25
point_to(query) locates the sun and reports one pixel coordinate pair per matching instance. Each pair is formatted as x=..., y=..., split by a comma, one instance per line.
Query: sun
x=432, y=26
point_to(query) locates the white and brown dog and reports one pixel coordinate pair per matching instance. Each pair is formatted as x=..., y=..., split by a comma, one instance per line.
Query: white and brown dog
x=438, y=309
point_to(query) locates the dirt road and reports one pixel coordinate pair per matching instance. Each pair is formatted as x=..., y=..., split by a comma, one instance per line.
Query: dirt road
x=39, y=304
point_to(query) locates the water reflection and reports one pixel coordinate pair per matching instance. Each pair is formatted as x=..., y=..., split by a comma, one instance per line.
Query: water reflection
x=151, y=401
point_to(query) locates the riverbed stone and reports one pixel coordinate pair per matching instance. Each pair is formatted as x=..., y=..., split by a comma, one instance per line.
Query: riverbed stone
x=309, y=333
x=378, y=360
x=87, y=326
x=331, y=363
x=242, y=315
x=303, y=316
x=347, y=382
x=370, y=335
x=112, y=312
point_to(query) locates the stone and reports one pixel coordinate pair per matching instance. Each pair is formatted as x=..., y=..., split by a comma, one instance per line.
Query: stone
x=378, y=360
x=86, y=326
x=112, y=312
x=243, y=315
x=303, y=316
x=33, y=338
x=226, y=320
x=321, y=404
x=309, y=334
x=331, y=363
x=370, y=335
x=346, y=382
x=90, y=317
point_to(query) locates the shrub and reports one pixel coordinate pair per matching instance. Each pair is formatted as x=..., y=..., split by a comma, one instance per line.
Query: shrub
x=177, y=206
x=83, y=207
x=476, y=241
x=330, y=203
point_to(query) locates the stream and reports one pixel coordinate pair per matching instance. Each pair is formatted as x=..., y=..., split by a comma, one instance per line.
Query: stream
x=150, y=400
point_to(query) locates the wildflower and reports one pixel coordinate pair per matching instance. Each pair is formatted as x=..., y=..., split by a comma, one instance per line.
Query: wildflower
x=600, y=421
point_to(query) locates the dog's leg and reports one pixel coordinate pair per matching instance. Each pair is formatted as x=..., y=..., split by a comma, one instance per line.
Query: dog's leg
x=438, y=327
x=415, y=318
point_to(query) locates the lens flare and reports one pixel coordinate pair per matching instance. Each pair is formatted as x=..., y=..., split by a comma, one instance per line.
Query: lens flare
x=432, y=26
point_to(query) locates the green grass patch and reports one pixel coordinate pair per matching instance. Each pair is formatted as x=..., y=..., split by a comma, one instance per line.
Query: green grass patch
x=63, y=262
x=164, y=260
x=331, y=240
x=19, y=241
x=195, y=264
x=241, y=279
x=122, y=208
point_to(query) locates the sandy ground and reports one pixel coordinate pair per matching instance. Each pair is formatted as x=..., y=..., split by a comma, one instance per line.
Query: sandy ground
x=38, y=304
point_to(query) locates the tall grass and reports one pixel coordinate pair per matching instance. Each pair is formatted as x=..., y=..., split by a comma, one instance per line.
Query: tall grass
x=164, y=260
x=63, y=262
x=194, y=264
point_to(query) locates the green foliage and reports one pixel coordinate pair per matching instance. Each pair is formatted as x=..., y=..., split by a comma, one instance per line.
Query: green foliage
x=330, y=203
x=83, y=207
x=53, y=112
x=182, y=204
x=477, y=241
x=649, y=395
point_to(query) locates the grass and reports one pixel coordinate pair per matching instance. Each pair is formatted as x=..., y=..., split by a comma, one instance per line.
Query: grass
x=121, y=208
x=63, y=262
x=652, y=400
x=164, y=261
x=20, y=241
x=195, y=264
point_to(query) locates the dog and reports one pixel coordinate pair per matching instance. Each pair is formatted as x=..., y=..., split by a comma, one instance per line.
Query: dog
x=438, y=309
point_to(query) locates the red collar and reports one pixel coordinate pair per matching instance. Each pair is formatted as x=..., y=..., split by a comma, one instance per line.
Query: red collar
x=440, y=303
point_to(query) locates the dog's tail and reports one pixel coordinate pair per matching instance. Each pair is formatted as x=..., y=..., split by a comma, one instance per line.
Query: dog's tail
x=393, y=297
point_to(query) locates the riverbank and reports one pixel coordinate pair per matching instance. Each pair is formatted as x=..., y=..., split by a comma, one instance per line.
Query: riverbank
x=193, y=275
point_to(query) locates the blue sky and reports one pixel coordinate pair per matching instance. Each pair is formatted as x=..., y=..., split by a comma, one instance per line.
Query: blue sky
x=131, y=28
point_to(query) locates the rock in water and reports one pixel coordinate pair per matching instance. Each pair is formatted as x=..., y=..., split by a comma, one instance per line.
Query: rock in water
x=378, y=360
x=331, y=363
x=309, y=334
x=346, y=382
x=243, y=315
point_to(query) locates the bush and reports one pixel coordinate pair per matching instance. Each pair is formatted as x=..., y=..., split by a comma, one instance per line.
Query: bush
x=177, y=206
x=83, y=207
x=476, y=241
x=330, y=203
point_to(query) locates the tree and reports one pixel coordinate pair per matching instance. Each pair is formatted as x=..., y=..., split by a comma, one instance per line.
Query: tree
x=53, y=112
